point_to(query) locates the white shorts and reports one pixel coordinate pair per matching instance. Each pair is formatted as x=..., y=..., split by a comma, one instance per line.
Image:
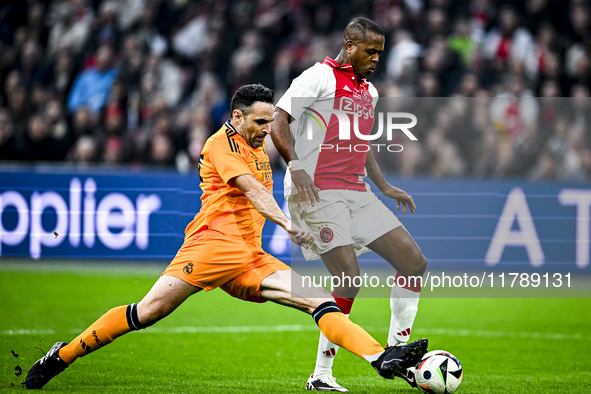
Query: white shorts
x=342, y=217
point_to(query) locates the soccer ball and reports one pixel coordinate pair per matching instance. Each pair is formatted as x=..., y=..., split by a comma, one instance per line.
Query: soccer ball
x=438, y=372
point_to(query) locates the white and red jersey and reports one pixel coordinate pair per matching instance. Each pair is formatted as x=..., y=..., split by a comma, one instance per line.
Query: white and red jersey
x=318, y=101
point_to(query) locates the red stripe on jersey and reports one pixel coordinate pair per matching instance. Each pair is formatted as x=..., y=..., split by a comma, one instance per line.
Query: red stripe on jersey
x=341, y=162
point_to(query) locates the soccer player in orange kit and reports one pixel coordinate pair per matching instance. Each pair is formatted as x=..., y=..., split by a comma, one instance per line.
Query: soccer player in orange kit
x=223, y=248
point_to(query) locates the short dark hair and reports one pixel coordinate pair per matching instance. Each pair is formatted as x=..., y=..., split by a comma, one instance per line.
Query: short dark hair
x=357, y=29
x=247, y=95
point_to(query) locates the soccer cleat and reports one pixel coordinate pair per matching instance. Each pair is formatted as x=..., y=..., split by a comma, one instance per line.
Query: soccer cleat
x=408, y=375
x=324, y=382
x=398, y=358
x=46, y=368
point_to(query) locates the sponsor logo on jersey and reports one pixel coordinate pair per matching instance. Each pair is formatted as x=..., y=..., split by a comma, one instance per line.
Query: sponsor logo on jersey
x=349, y=114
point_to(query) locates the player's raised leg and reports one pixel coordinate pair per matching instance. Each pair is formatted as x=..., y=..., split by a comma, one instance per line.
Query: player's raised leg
x=283, y=287
x=165, y=296
x=340, y=262
x=401, y=251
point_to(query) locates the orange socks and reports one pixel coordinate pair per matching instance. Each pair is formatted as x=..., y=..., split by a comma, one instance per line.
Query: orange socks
x=343, y=332
x=111, y=325
x=123, y=319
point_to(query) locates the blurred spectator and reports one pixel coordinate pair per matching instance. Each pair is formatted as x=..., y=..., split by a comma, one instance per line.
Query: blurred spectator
x=82, y=123
x=575, y=155
x=129, y=12
x=36, y=27
x=91, y=87
x=192, y=38
x=161, y=151
x=538, y=13
x=448, y=162
x=105, y=27
x=578, y=64
x=147, y=33
x=514, y=111
x=29, y=65
x=462, y=41
x=485, y=153
x=581, y=106
x=552, y=69
x=71, y=23
x=411, y=160
x=59, y=75
x=211, y=96
x=509, y=42
x=169, y=79
x=7, y=138
x=537, y=53
x=545, y=168
x=198, y=130
x=245, y=59
x=469, y=85
x=57, y=125
x=402, y=59
x=38, y=145
x=85, y=151
x=115, y=151
x=38, y=97
x=114, y=121
x=579, y=21
x=18, y=103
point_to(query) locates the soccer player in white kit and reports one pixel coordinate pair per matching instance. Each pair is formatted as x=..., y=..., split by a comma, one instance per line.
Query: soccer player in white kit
x=325, y=189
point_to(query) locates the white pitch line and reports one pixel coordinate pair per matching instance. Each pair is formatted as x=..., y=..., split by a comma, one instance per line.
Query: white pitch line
x=312, y=328
x=499, y=334
x=230, y=329
x=27, y=332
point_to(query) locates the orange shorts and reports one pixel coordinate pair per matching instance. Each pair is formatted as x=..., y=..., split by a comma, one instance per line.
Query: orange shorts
x=213, y=260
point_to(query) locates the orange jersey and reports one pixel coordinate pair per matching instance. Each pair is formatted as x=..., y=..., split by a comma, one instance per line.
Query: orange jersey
x=224, y=208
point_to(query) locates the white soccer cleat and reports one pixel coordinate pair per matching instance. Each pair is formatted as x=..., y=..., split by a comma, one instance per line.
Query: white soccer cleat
x=324, y=382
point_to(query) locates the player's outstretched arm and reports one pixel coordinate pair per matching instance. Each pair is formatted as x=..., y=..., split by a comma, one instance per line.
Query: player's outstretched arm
x=377, y=177
x=264, y=202
x=281, y=136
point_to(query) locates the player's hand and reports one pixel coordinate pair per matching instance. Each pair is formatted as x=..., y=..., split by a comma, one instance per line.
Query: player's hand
x=402, y=198
x=306, y=188
x=300, y=237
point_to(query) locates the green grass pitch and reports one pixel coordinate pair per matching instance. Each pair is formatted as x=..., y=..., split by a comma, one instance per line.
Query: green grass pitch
x=216, y=344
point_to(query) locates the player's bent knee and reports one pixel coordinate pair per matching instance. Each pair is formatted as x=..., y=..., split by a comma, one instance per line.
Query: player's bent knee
x=415, y=266
x=420, y=265
x=351, y=272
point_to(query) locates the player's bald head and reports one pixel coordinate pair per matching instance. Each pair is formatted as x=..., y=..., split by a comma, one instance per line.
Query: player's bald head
x=357, y=30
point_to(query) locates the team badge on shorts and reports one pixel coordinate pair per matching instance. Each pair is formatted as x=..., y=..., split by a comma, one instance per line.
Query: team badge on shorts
x=326, y=234
x=187, y=269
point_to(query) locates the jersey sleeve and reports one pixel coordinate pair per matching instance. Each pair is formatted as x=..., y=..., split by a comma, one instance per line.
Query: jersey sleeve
x=228, y=159
x=374, y=94
x=307, y=88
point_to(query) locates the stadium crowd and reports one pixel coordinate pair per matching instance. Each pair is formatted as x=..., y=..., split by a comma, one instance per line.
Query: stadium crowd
x=500, y=87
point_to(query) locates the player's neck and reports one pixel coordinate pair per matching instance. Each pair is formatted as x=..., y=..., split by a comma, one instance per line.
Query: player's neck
x=241, y=133
x=342, y=58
